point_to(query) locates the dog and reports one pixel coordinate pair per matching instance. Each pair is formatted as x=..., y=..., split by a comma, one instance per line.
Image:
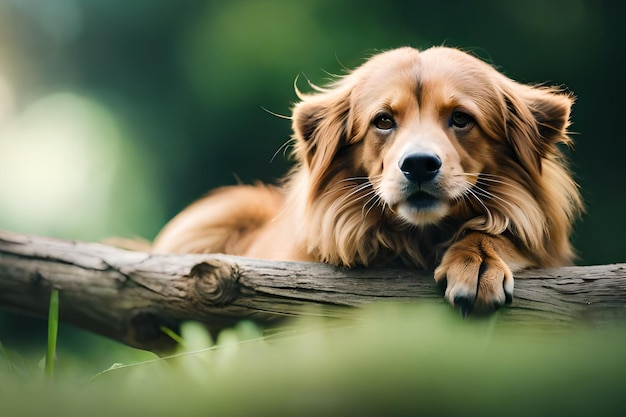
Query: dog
x=429, y=158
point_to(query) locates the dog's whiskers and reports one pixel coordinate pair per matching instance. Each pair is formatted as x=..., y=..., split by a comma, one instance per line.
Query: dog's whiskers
x=353, y=189
x=482, y=176
x=282, y=148
x=353, y=179
x=359, y=189
x=362, y=183
x=347, y=198
x=491, y=195
x=375, y=200
x=469, y=190
x=487, y=179
x=479, y=193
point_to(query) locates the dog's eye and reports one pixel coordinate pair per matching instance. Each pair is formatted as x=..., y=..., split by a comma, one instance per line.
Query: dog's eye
x=384, y=122
x=460, y=120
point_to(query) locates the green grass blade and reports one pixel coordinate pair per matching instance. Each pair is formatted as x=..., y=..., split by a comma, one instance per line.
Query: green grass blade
x=53, y=327
x=172, y=334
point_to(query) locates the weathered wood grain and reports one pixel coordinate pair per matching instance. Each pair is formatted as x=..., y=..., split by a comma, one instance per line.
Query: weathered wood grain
x=128, y=296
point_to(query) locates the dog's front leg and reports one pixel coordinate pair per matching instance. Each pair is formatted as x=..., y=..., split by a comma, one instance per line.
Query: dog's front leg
x=477, y=272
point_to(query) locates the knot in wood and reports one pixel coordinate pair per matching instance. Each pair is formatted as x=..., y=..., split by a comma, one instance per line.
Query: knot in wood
x=216, y=283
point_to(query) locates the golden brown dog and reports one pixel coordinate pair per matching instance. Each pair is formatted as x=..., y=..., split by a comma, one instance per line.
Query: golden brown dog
x=432, y=158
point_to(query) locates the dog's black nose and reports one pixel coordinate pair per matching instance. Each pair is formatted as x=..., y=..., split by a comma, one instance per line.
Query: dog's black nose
x=420, y=167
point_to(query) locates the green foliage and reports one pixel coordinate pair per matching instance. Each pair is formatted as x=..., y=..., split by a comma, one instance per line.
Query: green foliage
x=53, y=327
x=385, y=360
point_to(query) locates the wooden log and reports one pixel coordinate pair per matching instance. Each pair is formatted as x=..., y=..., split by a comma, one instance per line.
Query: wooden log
x=129, y=296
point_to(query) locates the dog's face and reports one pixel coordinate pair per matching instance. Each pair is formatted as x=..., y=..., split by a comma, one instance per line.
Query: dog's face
x=424, y=128
x=422, y=148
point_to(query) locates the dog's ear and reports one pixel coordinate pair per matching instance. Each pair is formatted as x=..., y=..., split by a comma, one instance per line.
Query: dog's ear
x=536, y=119
x=322, y=125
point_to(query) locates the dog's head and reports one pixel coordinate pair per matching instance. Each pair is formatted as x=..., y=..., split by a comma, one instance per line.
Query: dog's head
x=438, y=133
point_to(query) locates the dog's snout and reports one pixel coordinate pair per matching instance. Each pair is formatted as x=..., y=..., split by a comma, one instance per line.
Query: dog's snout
x=420, y=167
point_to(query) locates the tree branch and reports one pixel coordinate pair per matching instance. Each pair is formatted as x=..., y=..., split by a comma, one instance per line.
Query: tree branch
x=128, y=296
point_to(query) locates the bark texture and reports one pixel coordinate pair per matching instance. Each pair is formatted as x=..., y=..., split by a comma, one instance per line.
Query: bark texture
x=128, y=295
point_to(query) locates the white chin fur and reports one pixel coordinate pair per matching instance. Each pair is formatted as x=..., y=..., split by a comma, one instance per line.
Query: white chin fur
x=419, y=217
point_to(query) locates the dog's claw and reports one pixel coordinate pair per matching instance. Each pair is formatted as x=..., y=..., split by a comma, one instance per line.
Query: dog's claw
x=508, y=298
x=464, y=305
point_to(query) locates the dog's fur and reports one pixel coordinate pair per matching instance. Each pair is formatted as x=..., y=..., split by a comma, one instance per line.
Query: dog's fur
x=431, y=158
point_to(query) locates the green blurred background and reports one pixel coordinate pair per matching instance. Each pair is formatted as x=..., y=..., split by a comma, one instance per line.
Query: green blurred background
x=116, y=114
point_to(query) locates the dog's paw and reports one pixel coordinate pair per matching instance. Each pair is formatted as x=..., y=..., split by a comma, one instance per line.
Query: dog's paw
x=474, y=276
